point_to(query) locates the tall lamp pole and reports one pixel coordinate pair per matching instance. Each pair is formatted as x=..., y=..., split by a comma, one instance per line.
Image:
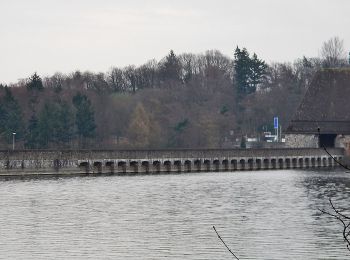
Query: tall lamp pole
x=13, y=141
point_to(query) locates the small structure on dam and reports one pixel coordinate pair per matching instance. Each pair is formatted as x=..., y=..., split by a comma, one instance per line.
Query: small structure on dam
x=325, y=107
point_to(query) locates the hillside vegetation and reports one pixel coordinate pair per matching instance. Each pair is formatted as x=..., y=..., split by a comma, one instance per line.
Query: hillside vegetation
x=182, y=101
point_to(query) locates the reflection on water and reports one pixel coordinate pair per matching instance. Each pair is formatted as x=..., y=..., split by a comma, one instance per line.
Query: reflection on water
x=260, y=215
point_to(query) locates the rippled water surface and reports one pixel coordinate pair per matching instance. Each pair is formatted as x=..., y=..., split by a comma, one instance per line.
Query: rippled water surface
x=260, y=215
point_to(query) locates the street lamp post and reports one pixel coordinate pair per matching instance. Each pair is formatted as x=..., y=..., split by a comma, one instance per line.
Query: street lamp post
x=13, y=141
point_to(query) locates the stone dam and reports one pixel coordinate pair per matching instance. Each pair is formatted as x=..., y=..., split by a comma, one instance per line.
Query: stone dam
x=108, y=162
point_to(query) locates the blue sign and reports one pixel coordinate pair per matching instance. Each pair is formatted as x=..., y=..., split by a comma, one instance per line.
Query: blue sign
x=275, y=122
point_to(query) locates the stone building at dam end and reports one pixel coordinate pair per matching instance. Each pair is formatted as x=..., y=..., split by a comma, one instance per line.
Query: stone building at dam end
x=323, y=117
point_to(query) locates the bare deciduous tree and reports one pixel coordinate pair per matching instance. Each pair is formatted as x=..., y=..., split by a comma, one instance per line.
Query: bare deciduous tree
x=333, y=53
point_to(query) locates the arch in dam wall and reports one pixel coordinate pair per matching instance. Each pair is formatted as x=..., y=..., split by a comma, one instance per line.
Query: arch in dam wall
x=330, y=161
x=234, y=165
x=273, y=163
x=301, y=162
x=84, y=167
x=216, y=165
x=324, y=162
x=97, y=167
x=318, y=162
x=307, y=162
x=288, y=163
x=167, y=166
x=187, y=166
x=197, y=165
x=156, y=166
x=313, y=162
x=280, y=163
x=110, y=167
x=225, y=165
x=145, y=166
x=206, y=165
x=258, y=164
x=242, y=164
x=266, y=163
x=121, y=167
x=250, y=164
x=178, y=166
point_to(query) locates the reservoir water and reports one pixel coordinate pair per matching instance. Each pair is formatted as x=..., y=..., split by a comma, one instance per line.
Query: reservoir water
x=259, y=214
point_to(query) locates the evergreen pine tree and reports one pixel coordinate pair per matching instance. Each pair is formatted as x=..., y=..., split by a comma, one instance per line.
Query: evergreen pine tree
x=65, y=128
x=10, y=117
x=54, y=127
x=34, y=86
x=258, y=70
x=171, y=67
x=249, y=72
x=84, y=117
x=33, y=133
x=242, y=68
x=35, y=83
x=47, y=125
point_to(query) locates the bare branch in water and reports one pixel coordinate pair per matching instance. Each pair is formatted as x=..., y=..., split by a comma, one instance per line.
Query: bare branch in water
x=343, y=219
x=224, y=243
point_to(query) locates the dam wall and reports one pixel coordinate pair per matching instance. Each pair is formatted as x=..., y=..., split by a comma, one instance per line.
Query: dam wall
x=95, y=162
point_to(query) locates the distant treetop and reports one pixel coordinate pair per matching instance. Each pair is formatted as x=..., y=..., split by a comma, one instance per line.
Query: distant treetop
x=35, y=83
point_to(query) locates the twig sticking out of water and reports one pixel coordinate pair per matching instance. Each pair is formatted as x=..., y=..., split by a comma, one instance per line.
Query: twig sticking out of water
x=224, y=243
x=343, y=219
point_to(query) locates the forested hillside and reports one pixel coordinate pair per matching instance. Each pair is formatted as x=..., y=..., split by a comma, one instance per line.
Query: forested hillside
x=184, y=100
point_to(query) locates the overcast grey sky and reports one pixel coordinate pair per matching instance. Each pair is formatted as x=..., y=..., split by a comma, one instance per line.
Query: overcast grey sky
x=66, y=35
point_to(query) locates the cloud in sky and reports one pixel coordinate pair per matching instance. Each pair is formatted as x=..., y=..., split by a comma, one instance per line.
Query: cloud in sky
x=60, y=35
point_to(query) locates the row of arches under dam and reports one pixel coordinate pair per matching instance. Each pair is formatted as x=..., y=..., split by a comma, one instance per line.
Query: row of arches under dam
x=203, y=165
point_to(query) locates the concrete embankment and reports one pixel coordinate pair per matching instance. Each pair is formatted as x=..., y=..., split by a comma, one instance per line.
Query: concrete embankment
x=96, y=162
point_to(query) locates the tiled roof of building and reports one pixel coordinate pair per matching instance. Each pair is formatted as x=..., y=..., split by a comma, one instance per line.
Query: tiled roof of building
x=326, y=105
